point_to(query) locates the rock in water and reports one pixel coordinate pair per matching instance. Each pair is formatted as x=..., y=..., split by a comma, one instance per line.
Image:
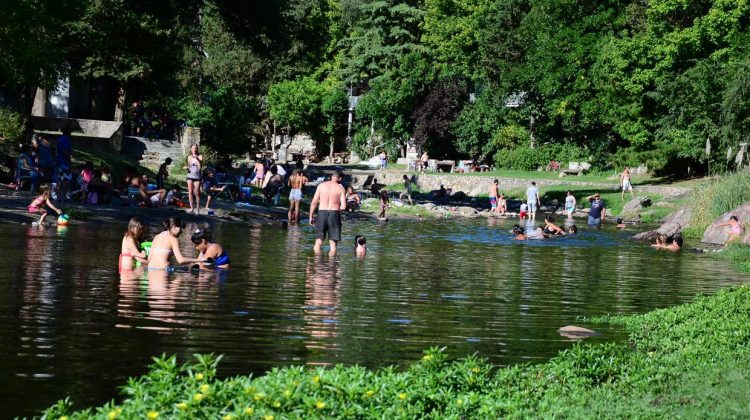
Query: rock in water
x=571, y=331
x=673, y=224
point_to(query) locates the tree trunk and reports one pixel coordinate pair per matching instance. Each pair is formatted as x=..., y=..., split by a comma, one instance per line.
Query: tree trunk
x=330, y=154
x=39, y=109
x=120, y=105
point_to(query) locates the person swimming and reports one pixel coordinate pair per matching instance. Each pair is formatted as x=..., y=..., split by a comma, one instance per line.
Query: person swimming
x=209, y=251
x=165, y=244
x=550, y=228
x=573, y=230
x=360, y=244
x=620, y=223
x=519, y=232
x=663, y=242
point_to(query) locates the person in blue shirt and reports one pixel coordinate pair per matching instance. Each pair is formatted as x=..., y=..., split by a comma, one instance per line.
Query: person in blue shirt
x=64, y=151
x=598, y=212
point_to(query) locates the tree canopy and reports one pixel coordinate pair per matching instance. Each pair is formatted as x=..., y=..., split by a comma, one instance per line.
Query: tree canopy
x=612, y=81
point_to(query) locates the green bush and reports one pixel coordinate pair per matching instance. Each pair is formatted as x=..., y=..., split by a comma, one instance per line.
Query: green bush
x=527, y=159
x=711, y=200
x=11, y=124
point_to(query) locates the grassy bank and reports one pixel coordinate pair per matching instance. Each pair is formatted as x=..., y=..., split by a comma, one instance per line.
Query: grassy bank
x=737, y=254
x=712, y=199
x=688, y=361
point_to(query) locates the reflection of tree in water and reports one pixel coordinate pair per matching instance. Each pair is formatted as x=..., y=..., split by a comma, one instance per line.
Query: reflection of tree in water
x=321, y=306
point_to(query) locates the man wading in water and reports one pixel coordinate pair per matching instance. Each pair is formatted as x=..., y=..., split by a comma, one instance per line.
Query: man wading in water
x=332, y=199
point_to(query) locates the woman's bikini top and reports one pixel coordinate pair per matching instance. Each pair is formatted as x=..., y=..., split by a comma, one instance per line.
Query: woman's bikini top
x=159, y=249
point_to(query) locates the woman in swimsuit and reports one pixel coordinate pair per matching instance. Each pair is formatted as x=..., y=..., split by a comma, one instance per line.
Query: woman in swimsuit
x=208, y=249
x=551, y=228
x=194, y=162
x=129, y=252
x=165, y=244
x=735, y=228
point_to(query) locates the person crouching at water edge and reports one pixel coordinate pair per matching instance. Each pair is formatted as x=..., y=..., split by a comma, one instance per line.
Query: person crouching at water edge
x=129, y=251
x=37, y=206
x=209, y=252
x=331, y=198
x=165, y=244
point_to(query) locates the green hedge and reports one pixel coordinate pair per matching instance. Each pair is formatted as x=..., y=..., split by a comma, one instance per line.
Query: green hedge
x=527, y=159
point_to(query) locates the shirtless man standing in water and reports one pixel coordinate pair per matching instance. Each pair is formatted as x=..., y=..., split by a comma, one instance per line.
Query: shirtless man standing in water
x=296, y=182
x=332, y=199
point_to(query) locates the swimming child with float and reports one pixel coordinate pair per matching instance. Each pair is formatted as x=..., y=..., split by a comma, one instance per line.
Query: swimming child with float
x=209, y=251
x=129, y=251
x=37, y=205
x=165, y=245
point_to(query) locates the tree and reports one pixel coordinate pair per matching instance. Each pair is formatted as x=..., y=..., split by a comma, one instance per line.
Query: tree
x=434, y=116
x=388, y=106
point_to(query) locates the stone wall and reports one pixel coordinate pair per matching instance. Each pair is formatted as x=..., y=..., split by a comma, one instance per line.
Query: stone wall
x=151, y=152
x=93, y=134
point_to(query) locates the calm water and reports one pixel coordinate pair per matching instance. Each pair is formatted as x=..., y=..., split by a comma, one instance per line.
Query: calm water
x=70, y=325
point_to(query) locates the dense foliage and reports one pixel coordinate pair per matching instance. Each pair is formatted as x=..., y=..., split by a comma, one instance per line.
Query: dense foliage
x=613, y=81
x=689, y=361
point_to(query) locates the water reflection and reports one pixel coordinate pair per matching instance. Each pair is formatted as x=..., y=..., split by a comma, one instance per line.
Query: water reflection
x=71, y=325
x=321, y=310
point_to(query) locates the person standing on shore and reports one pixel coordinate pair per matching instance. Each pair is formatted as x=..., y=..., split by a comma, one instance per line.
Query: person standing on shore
x=330, y=195
x=194, y=162
x=626, y=184
x=532, y=198
x=493, y=197
x=598, y=213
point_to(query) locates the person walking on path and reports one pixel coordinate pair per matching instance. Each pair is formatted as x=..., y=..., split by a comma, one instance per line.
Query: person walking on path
x=598, y=213
x=194, y=162
x=532, y=199
x=408, y=190
x=626, y=184
x=330, y=195
x=493, y=197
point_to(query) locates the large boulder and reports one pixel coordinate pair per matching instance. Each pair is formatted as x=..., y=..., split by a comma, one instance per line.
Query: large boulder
x=672, y=224
x=718, y=235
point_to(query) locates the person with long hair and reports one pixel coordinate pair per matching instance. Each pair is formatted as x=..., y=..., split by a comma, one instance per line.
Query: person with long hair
x=194, y=163
x=130, y=251
x=165, y=244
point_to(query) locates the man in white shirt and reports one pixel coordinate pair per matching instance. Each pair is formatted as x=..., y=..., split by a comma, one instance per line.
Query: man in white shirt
x=532, y=198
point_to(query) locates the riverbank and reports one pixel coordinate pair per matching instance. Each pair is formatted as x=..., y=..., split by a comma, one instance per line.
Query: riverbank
x=687, y=361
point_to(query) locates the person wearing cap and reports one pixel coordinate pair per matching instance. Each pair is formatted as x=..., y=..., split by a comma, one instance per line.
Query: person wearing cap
x=598, y=212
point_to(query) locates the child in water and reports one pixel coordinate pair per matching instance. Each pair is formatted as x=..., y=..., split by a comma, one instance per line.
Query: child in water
x=520, y=234
x=735, y=228
x=662, y=242
x=573, y=230
x=129, y=251
x=522, y=212
x=37, y=206
x=360, y=244
x=620, y=224
x=383, y=203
